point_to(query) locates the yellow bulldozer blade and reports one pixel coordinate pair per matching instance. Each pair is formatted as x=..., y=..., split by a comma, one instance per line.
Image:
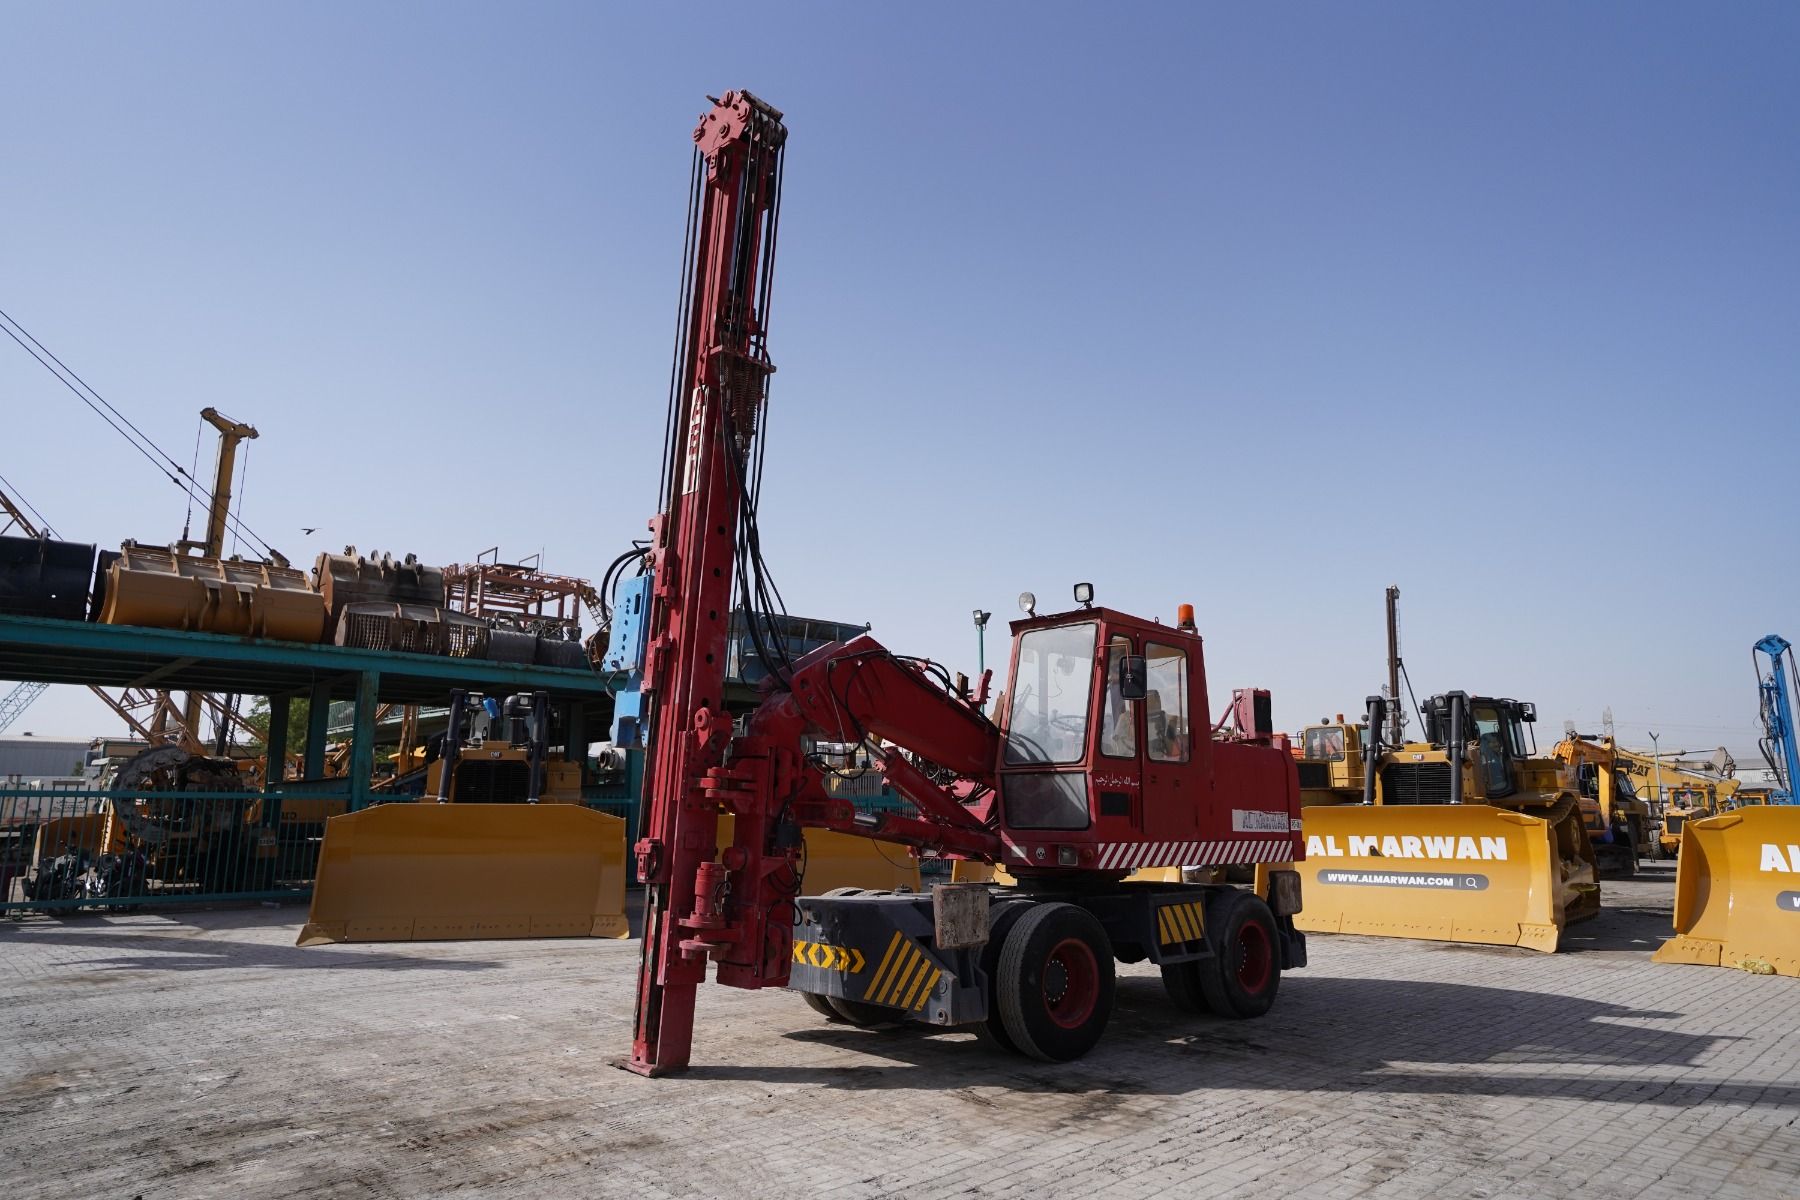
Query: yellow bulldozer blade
x=1737, y=892
x=431, y=872
x=1468, y=873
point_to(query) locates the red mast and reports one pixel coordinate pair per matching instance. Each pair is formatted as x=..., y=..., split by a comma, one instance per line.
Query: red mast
x=722, y=369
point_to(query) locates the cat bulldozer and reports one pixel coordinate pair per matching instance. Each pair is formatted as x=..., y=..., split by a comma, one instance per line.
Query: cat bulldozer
x=1464, y=837
x=1737, y=881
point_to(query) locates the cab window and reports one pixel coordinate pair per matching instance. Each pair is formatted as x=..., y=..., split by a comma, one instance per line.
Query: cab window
x=1492, y=748
x=1165, y=703
x=1052, y=684
x=1118, y=720
x=1324, y=743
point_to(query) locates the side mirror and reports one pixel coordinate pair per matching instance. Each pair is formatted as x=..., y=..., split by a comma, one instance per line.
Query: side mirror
x=1134, y=677
x=1528, y=712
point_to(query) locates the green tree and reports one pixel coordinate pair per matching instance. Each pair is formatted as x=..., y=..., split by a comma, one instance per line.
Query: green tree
x=298, y=710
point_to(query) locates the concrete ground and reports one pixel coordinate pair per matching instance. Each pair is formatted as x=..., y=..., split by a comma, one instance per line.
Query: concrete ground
x=203, y=1055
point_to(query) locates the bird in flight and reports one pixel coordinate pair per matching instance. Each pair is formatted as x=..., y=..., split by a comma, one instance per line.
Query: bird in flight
x=310, y=532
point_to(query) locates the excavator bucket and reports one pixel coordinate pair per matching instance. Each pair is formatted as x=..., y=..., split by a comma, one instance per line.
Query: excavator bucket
x=440, y=872
x=1463, y=873
x=839, y=860
x=1737, y=892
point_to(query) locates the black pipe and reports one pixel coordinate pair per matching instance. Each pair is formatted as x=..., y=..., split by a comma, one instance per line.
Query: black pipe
x=1376, y=742
x=540, y=736
x=1459, y=707
x=450, y=749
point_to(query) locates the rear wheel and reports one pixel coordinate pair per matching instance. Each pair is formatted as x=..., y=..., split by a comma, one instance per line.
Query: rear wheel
x=1245, y=973
x=1054, y=987
x=822, y=1004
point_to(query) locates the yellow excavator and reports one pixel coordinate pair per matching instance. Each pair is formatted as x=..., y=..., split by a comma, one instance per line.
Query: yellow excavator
x=1467, y=836
x=1619, y=823
x=1676, y=793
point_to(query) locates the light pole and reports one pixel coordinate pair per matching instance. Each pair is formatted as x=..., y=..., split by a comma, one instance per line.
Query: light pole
x=981, y=620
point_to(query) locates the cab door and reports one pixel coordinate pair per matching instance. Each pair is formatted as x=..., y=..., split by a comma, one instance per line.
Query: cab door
x=1173, y=717
x=1119, y=737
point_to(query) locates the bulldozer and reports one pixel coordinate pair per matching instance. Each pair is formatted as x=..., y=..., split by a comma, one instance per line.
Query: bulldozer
x=1737, y=879
x=1619, y=823
x=1467, y=836
x=497, y=843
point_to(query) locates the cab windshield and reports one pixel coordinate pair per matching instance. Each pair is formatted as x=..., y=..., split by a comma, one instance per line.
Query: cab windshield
x=1051, y=687
x=1324, y=743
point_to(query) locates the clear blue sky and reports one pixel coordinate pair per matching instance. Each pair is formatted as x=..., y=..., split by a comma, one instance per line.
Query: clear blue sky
x=1257, y=308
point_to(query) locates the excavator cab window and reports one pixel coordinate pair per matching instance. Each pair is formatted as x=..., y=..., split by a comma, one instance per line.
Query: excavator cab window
x=1165, y=708
x=1494, y=746
x=1118, y=717
x=1052, y=684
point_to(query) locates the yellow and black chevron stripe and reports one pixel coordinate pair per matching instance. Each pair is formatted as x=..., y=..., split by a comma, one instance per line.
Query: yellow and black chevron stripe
x=1178, y=923
x=906, y=977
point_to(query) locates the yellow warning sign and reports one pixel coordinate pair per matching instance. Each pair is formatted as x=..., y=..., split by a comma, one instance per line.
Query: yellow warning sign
x=1179, y=923
x=827, y=957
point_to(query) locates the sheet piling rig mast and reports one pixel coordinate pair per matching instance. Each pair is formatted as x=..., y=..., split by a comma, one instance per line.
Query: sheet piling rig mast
x=1109, y=760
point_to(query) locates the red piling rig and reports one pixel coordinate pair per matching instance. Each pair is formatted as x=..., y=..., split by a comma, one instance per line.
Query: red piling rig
x=723, y=368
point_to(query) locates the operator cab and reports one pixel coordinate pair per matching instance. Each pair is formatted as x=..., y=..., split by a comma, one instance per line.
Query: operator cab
x=1496, y=726
x=1106, y=726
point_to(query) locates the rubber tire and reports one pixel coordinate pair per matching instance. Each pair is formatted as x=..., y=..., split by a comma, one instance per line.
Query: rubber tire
x=1182, y=981
x=864, y=1016
x=1019, y=983
x=822, y=1004
x=991, y=1032
x=1224, y=989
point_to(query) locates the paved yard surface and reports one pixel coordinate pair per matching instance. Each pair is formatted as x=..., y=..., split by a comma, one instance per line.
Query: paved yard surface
x=203, y=1055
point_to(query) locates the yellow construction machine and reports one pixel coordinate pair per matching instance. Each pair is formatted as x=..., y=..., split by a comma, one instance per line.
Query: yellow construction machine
x=1467, y=836
x=1619, y=823
x=499, y=846
x=1677, y=793
x=1737, y=884
x=1330, y=763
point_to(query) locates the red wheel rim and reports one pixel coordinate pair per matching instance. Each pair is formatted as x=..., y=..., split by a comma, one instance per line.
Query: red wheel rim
x=1071, y=983
x=1256, y=958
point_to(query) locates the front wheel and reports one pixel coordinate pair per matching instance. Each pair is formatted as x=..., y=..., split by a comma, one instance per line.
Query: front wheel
x=1245, y=972
x=1055, y=982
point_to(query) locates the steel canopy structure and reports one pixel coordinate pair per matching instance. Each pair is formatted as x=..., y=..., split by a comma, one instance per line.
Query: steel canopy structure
x=73, y=652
